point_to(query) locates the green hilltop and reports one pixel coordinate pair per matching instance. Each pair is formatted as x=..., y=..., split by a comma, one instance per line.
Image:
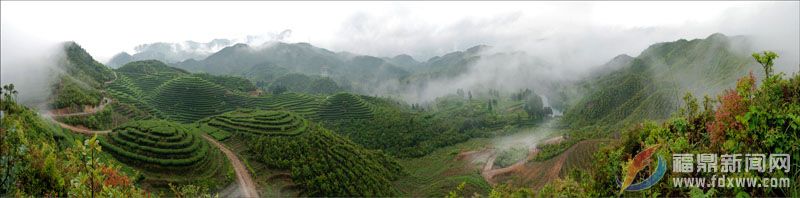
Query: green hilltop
x=650, y=86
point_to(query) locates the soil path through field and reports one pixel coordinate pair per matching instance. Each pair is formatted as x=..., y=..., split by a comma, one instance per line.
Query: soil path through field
x=246, y=184
x=489, y=173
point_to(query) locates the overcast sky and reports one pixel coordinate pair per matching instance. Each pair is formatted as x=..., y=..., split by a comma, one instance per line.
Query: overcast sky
x=420, y=29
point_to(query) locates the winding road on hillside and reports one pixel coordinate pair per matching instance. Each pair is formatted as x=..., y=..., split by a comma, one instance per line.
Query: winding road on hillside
x=246, y=184
x=79, y=129
x=50, y=115
x=88, y=111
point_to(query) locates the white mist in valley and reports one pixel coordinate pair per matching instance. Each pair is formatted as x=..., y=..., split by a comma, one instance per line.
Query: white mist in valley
x=546, y=103
x=522, y=143
x=527, y=138
x=31, y=64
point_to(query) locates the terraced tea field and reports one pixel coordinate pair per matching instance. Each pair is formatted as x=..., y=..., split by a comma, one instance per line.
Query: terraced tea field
x=128, y=105
x=150, y=89
x=345, y=106
x=165, y=152
x=284, y=141
x=259, y=122
x=187, y=99
x=302, y=104
x=124, y=84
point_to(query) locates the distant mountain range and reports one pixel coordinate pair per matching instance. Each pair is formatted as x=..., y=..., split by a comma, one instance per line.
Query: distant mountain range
x=647, y=86
x=170, y=52
x=260, y=63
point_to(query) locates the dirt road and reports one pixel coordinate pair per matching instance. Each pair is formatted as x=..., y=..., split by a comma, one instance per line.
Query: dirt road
x=87, y=111
x=243, y=178
x=488, y=172
x=537, y=174
x=82, y=130
x=51, y=115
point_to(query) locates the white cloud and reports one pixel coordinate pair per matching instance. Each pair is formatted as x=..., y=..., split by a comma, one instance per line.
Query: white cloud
x=29, y=63
x=375, y=28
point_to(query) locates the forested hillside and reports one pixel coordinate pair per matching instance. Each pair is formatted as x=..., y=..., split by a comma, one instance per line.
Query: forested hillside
x=80, y=83
x=650, y=85
x=755, y=116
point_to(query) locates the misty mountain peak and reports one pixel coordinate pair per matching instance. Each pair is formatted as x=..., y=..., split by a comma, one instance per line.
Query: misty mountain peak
x=617, y=62
x=717, y=36
x=120, y=59
x=404, y=57
x=367, y=60
x=304, y=44
x=69, y=44
x=240, y=45
x=622, y=58
x=231, y=50
x=478, y=48
x=123, y=54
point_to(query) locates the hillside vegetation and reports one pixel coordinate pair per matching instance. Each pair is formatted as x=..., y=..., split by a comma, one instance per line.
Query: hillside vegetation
x=320, y=161
x=40, y=159
x=649, y=86
x=752, y=118
x=79, y=85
